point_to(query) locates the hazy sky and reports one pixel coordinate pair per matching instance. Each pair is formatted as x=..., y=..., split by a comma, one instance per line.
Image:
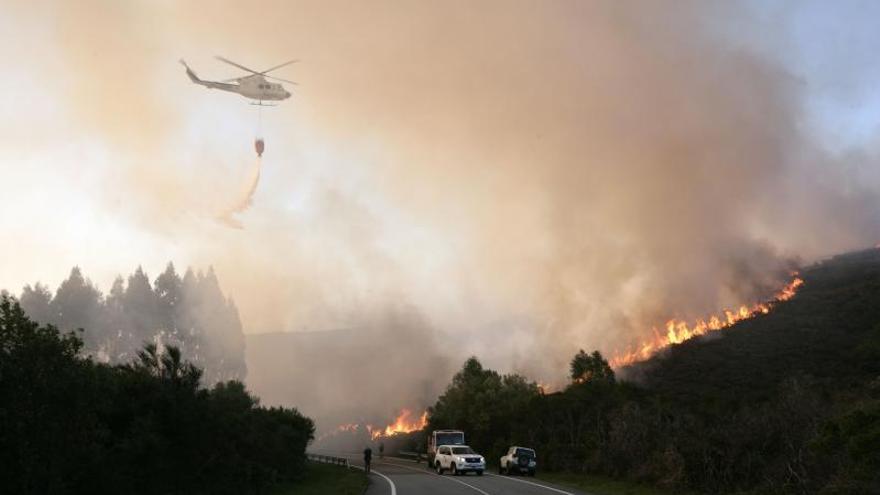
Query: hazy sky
x=572, y=169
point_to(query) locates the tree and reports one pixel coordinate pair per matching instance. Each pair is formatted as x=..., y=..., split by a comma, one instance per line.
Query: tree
x=167, y=366
x=168, y=289
x=140, y=306
x=215, y=320
x=36, y=301
x=77, y=304
x=47, y=422
x=120, y=342
x=590, y=368
x=483, y=403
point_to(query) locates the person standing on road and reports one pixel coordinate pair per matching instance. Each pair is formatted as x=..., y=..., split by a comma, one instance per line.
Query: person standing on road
x=381, y=450
x=368, y=456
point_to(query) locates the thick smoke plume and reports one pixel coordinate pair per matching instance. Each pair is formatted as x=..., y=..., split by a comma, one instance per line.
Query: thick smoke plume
x=367, y=375
x=530, y=177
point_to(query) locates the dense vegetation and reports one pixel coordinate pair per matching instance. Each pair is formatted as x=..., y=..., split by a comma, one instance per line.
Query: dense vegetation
x=190, y=313
x=69, y=424
x=787, y=402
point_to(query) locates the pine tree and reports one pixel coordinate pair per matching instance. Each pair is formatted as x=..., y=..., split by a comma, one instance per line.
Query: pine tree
x=36, y=301
x=121, y=344
x=168, y=289
x=77, y=305
x=140, y=306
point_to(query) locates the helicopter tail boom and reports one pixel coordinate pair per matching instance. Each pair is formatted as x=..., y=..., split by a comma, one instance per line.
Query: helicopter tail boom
x=208, y=84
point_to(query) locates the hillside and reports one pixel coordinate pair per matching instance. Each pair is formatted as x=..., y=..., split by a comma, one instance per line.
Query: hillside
x=829, y=333
x=787, y=402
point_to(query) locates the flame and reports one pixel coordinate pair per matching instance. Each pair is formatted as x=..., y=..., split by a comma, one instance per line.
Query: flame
x=404, y=423
x=546, y=388
x=346, y=428
x=677, y=331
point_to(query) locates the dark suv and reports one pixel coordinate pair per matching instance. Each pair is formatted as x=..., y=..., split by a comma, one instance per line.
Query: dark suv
x=518, y=460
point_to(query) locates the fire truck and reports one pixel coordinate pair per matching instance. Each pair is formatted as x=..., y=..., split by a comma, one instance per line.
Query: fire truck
x=443, y=437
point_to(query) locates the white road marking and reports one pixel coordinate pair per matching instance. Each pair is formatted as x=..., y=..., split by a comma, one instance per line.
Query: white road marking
x=428, y=471
x=373, y=471
x=531, y=483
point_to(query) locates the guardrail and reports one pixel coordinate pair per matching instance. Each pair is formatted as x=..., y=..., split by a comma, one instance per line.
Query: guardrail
x=418, y=456
x=328, y=459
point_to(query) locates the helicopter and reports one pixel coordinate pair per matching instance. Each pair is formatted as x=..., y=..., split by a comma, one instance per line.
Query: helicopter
x=254, y=86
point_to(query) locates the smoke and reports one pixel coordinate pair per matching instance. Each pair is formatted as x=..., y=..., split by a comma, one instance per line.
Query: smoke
x=530, y=178
x=391, y=361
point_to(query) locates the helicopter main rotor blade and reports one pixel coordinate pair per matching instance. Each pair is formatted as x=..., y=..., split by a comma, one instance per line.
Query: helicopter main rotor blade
x=280, y=66
x=285, y=80
x=230, y=62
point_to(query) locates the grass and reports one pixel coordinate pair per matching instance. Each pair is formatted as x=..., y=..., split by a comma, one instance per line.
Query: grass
x=325, y=478
x=600, y=485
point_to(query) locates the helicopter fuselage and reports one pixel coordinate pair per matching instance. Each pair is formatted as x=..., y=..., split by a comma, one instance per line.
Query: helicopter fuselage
x=258, y=88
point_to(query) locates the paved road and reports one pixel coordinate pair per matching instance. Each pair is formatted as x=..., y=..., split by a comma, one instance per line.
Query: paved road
x=393, y=476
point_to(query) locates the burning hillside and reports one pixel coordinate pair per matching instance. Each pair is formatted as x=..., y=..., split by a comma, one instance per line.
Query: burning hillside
x=677, y=331
x=405, y=422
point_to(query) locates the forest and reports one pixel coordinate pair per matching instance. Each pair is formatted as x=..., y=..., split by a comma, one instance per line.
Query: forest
x=190, y=313
x=72, y=424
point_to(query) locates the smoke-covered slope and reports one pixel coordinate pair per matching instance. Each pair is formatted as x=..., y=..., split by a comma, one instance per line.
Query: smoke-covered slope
x=366, y=374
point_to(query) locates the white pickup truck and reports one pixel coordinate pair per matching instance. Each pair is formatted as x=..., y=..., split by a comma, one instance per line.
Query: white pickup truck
x=458, y=459
x=520, y=460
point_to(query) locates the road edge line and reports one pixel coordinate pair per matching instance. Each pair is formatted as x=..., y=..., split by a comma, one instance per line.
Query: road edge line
x=373, y=471
x=530, y=483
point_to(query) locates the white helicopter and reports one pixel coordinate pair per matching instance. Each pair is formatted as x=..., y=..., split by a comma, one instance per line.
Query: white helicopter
x=253, y=86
